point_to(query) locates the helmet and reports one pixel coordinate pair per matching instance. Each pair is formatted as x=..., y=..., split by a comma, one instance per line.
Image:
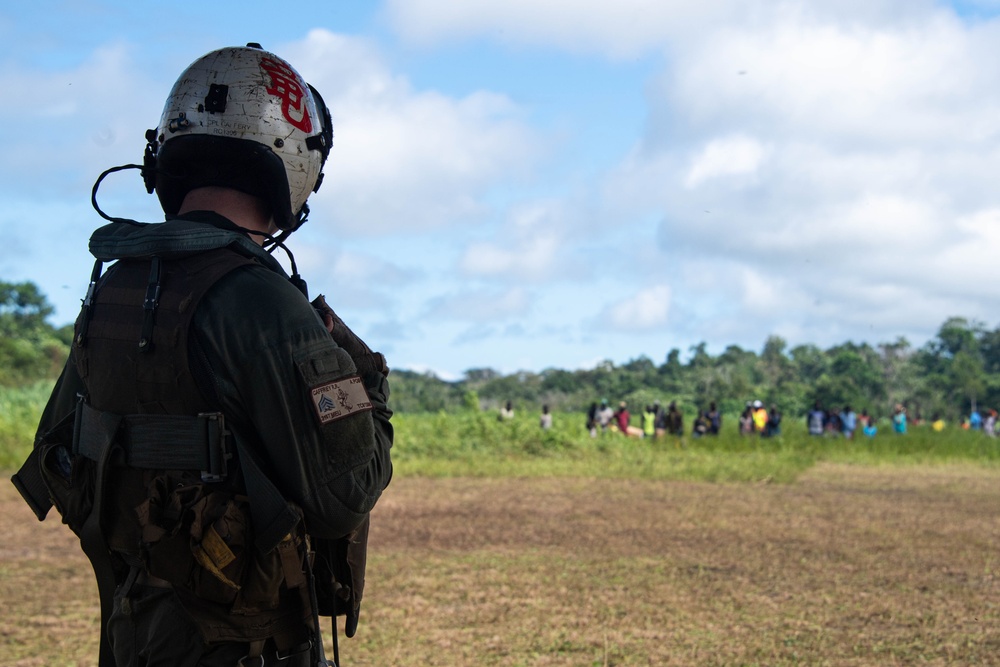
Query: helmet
x=243, y=118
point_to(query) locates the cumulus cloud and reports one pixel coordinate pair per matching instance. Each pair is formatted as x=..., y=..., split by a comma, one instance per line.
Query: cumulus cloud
x=358, y=280
x=77, y=121
x=839, y=168
x=532, y=245
x=846, y=83
x=727, y=156
x=405, y=159
x=480, y=305
x=644, y=311
x=623, y=29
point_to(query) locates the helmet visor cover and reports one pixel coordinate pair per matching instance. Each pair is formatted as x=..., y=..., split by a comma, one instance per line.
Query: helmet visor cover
x=244, y=96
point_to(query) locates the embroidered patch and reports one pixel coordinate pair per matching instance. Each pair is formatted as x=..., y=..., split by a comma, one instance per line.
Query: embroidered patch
x=340, y=399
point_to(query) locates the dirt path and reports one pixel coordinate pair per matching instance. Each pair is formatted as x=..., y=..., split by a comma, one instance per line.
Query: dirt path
x=846, y=567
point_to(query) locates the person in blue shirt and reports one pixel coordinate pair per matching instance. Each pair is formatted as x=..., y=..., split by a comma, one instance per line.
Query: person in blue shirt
x=975, y=420
x=870, y=428
x=848, y=422
x=899, y=419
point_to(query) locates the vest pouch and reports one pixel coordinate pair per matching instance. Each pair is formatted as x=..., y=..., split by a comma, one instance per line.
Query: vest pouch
x=271, y=573
x=195, y=538
x=71, y=481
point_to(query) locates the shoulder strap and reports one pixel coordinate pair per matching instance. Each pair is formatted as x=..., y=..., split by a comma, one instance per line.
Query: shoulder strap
x=92, y=534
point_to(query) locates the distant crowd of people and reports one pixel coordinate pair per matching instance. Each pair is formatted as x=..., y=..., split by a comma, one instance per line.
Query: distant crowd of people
x=845, y=422
x=756, y=419
x=656, y=421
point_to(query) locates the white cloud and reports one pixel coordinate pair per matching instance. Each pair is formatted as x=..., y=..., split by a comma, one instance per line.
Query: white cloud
x=481, y=305
x=531, y=246
x=77, y=121
x=622, y=29
x=850, y=166
x=427, y=369
x=644, y=311
x=405, y=159
x=727, y=156
x=842, y=81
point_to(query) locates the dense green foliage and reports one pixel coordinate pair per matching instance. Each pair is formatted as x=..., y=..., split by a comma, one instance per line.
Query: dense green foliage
x=30, y=347
x=956, y=370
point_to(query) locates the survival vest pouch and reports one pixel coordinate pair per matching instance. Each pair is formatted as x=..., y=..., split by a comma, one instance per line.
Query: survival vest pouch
x=51, y=475
x=193, y=532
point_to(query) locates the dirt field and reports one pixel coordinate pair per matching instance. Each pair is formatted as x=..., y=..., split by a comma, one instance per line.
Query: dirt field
x=848, y=566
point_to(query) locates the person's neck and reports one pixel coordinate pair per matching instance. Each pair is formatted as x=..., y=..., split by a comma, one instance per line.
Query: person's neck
x=244, y=210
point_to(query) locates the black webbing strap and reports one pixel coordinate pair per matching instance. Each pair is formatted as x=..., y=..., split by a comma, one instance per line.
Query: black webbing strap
x=92, y=533
x=149, y=305
x=88, y=304
x=273, y=517
x=319, y=654
x=173, y=442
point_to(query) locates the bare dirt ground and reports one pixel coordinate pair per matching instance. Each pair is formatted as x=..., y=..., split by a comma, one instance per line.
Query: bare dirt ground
x=848, y=566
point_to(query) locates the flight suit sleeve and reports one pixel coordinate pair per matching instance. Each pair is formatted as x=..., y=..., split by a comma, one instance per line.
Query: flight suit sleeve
x=315, y=417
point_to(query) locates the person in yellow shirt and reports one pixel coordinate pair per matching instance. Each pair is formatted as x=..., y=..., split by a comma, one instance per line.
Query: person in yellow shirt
x=649, y=422
x=937, y=424
x=759, y=417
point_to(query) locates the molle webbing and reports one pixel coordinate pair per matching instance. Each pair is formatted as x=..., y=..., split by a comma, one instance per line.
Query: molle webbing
x=134, y=357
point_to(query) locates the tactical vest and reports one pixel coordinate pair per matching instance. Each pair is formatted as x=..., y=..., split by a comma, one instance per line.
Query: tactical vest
x=187, y=522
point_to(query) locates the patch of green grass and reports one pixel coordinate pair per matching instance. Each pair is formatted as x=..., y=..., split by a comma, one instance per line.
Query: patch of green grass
x=476, y=444
x=20, y=409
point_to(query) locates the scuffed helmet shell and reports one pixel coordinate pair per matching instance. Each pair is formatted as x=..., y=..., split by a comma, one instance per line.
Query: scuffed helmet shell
x=248, y=94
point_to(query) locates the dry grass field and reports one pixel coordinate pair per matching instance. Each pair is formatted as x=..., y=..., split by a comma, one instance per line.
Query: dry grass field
x=846, y=566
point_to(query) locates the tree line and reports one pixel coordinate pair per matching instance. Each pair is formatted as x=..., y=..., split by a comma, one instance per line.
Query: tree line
x=954, y=371
x=957, y=369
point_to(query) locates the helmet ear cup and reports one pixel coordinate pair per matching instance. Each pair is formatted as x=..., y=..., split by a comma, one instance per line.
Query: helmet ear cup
x=323, y=141
x=149, y=161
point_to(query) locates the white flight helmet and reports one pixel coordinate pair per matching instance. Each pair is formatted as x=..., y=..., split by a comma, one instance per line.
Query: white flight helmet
x=241, y=117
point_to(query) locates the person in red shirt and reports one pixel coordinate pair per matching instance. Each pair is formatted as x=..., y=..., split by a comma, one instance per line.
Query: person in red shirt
x=622, y=416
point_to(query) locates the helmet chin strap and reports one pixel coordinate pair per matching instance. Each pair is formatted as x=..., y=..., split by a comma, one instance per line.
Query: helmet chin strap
x=272, y=243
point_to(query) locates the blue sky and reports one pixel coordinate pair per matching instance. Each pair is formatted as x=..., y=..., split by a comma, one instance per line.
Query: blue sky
x=524, y=185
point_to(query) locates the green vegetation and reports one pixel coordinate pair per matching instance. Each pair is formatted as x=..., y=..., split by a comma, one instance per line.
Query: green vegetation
x=20, y=409
x=30, y=347
x=477, y=444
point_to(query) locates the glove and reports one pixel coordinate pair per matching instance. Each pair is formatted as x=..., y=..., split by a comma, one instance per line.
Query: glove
x=363, y=357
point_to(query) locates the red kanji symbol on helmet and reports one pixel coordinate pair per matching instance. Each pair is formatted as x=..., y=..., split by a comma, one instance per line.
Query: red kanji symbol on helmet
x=285, y=85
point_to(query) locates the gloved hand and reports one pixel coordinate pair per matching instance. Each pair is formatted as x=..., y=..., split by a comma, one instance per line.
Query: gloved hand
x=362, y=355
